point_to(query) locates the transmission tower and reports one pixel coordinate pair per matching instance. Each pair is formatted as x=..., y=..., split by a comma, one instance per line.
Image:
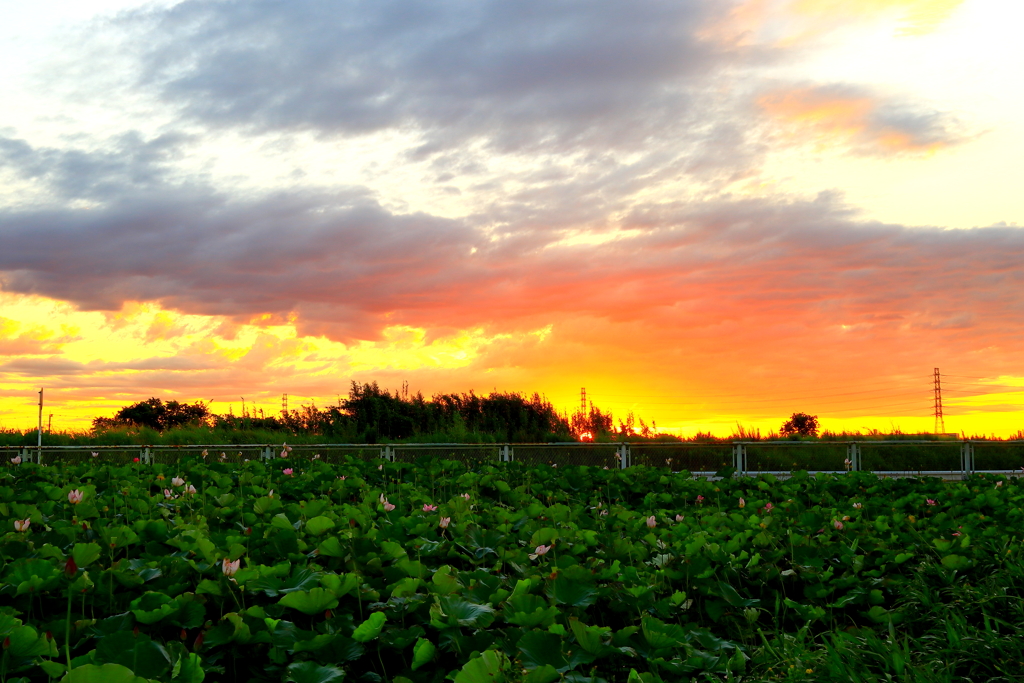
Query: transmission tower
x=284, y=404
x=940, y=423
x=583, y=400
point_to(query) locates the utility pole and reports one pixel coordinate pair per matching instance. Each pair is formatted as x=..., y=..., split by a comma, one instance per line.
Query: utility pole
x=39, y=442
x=940, y=423
x=284, y=404
x=49, y=425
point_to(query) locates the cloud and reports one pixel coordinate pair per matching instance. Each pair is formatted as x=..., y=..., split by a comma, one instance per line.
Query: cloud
x=861, y=121
x=525, y=76
x=126, y=163
x=345, y=267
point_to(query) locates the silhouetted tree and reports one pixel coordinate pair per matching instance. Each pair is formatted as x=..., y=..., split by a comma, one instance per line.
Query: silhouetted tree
x=156, y=414
x=800, y=424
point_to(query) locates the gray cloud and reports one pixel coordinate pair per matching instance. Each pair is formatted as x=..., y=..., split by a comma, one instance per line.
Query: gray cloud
x=527, y=75
x=347, y=267
x=126, y=164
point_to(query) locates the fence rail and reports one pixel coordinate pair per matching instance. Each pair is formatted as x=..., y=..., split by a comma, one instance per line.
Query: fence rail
x=947, y=459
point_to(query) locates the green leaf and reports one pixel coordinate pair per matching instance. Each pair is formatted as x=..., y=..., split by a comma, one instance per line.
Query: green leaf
x=590, y=638
x=541, y=648
x=340, y=584
x=51, y=668
x=189, y=669
x=454, y=610
x=370, y=629
x=311, y=602
x=26, y=642
x=107, y=673
x=311, y=672
x=331, y=547
x=423, y=652
x=567, y=591
x=140, y=654
x=490, y=667
x=543, y=674
x=660, y=635
x=956, y=562
x=86, y=553
x=319, y=525
x=543, y=536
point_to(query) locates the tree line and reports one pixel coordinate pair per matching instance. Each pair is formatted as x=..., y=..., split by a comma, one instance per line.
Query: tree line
x=371, y=413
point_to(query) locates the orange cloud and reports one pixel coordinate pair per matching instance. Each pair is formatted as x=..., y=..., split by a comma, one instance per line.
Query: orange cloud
x=915, y=17
x=785, y=23
x=857, y=121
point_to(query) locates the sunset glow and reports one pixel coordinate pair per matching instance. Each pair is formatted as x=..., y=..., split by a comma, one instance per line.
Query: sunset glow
x=706, y=213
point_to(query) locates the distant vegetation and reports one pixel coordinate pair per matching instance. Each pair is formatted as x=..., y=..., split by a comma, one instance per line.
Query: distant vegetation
x=371, y=414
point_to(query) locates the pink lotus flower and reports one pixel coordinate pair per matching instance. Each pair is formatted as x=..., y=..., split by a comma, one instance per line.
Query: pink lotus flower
x=700, y=499
x=380, y=466
x=177, y=481
x=135, y=460
x=270, y=494
x=858, y=506
x=929, y=501
x=16, y=460
x=382, y=499
x=75, y=497
x=168, y=494
x=316, y=456
x=342, y=477
x=999, y=484
x=743, y=503
x=604, y=513
x=540, y=550
x=444, y=522
x=837, y=524
x=95, y=454
x=768, y=507
x=229, y=568
x=190, y=489
x=388, y=507
x=429, y=508
x=651, y=522
x=287, y=471
x=466, y=496
x=22, y=524
x=679, y=518
x=205, y=453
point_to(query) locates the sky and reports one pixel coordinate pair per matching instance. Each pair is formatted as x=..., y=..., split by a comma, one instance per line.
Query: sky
x=705, y=212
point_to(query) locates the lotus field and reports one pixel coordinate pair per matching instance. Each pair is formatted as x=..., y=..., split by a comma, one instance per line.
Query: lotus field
x=441, y=571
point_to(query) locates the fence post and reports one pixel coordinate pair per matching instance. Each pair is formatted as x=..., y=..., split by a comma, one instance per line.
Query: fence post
x=25, y=455
x=853, y=455
x=388, y=453
x=739, y=458
x=505, y=453
x=624, y=456
x=967, y=458
x=145, y=457
x=267, y=454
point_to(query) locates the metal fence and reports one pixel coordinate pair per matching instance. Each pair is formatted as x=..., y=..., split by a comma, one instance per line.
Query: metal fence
x=947, y=459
